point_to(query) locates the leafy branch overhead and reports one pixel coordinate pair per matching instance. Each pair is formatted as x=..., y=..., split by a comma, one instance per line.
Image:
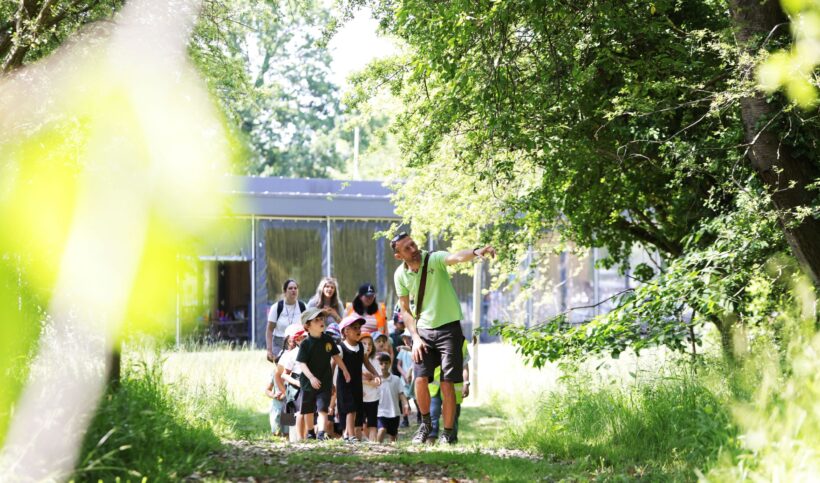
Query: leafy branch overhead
x=616, y=125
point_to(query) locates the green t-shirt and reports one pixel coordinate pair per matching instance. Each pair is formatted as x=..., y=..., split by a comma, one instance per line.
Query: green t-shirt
x=441, y=305
x=316, y=353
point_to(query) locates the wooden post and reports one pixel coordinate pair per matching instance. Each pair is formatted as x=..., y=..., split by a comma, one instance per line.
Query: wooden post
x=476, y=326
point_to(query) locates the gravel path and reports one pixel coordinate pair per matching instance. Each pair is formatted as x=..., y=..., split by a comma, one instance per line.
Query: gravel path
x=262, y=461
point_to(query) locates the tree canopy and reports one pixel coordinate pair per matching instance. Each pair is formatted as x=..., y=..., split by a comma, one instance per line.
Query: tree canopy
x=615, y=125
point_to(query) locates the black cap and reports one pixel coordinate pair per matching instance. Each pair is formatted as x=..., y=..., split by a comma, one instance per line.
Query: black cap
x=367, y=289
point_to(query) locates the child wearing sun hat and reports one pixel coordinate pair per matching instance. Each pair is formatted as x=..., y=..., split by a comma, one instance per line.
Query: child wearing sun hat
x=349, y=394
x=316, y=380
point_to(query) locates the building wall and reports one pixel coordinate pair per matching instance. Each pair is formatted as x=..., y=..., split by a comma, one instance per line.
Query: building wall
x=350, y=250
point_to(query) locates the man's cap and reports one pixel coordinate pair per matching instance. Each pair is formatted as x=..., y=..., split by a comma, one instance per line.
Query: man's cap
x=367, y=289
x=350, y=320
x=310, y=314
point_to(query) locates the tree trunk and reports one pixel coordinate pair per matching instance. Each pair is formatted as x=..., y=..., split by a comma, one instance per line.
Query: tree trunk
x=785, y=174
x=727, y=342
x=115, y=357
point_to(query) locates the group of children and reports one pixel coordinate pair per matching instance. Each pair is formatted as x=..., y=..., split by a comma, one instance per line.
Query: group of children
x=338, y=381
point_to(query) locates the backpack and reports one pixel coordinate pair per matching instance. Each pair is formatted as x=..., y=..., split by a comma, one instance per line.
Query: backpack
x=280, y=306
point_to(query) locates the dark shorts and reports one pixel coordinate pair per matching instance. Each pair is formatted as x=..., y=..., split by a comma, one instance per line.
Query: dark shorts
x=391, y=425
x=349, y=401
x=310, y=402
x=371, y=410
x=357, y=422
x=444, y=348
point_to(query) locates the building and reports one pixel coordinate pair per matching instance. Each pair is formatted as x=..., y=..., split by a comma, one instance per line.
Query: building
x=306, y=229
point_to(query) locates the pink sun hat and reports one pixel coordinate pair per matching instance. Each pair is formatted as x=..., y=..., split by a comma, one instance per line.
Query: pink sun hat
x=350, y=320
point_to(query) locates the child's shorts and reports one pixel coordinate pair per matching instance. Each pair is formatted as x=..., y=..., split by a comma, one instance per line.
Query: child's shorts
x=391, y=425
x=310, y=402
x=359, y=417
x=371, y=410
x=408, y=390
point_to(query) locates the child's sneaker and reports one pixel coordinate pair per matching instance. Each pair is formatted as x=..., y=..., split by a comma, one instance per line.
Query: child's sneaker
x=421, y=434
x=446, y=438
x=321, y=436
x=351, y=439
x=311, y=435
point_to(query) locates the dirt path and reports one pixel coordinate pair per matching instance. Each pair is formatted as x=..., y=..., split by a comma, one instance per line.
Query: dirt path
x=258, y=461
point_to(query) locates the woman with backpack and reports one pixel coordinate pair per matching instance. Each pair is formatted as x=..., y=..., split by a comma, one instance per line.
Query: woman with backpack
x=286, y=312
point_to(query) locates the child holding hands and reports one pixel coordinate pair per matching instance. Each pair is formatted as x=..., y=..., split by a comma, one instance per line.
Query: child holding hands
x=392, y=394
x=350, y=396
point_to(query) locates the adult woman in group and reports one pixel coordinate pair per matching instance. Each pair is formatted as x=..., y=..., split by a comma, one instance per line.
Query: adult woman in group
x=287, y=311
x=373, y=313
x=365, y=305
x=327, y=298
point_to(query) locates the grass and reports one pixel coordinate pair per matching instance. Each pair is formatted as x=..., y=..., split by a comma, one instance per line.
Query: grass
x=609, y=420
x=142, y=430
x=664, y=430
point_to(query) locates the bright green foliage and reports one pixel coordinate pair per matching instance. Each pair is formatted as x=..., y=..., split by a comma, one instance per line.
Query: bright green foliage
x=610, y=124
x=605, y=104
x=779, y=423
x=796, y=69
x=736, y=278
x=91, y=196
x=19, y=330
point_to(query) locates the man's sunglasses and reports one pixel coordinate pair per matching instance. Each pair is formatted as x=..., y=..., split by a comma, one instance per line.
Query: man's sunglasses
x=398, y=237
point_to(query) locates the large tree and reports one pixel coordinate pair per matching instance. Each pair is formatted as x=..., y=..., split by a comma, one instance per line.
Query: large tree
x=268, y=65
x=787, y=169
x=613, y=123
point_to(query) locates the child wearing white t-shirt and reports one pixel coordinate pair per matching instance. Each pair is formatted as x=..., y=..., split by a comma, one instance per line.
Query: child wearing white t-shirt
x=370, y=388
x=290, y=374
x=392, y=401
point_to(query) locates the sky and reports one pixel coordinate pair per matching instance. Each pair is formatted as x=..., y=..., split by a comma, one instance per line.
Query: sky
x=355, y=45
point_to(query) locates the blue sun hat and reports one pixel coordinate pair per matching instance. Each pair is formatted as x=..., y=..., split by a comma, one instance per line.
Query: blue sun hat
x=333, y=330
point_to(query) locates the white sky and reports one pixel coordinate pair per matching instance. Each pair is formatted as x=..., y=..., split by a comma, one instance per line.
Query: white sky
x=355, y=45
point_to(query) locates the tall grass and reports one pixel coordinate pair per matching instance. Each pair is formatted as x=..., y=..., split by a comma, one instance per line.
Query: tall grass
x=667, y=426
x=780, y=421
x=145, y=429
x=173, y=408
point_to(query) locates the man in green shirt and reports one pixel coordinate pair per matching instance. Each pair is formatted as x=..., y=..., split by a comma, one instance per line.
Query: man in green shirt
x=437, y=335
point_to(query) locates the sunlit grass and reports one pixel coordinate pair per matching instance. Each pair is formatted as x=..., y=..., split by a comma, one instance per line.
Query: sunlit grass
x=147, y=429
x=780, y=421
x=652, y=418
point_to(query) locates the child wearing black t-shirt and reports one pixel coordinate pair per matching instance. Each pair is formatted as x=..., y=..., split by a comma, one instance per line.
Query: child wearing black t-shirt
x=316, y=379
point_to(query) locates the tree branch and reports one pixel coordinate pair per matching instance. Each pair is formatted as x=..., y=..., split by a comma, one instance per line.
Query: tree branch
x=649, y=237
x=591, y=306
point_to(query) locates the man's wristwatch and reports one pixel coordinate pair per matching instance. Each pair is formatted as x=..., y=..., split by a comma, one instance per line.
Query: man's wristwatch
x=475, y=252
x=466, y=383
